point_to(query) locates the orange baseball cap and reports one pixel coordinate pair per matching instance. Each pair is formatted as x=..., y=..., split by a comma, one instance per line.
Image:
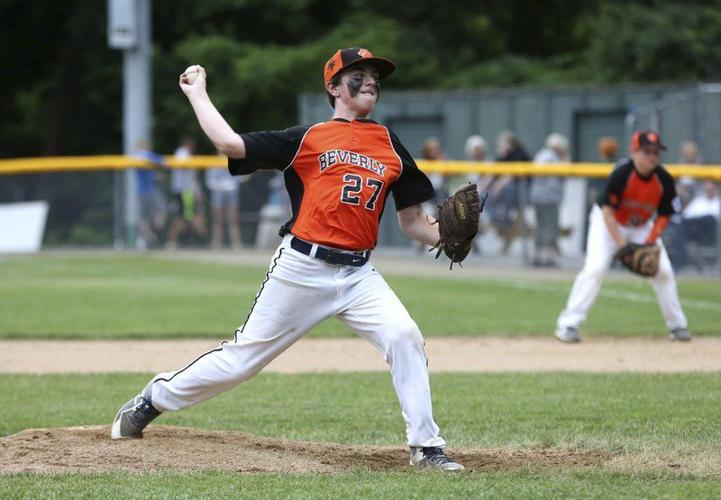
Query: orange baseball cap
x=345, y=58
x=645, y=139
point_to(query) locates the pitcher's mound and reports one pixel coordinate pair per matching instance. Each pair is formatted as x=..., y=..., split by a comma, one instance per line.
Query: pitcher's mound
x=90, y=449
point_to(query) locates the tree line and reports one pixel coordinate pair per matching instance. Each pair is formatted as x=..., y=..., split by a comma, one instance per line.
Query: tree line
x=62, y=89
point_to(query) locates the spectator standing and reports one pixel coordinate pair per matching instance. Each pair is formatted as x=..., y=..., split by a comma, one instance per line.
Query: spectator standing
x=433, y=151
x=506, y=213
x=689, y=153
x=607, y=149
x=686, y=185
x=153, y=212
x=675, y=236
x=545, y=195
x=476, y=149
x=187, y=198
x=223, y=191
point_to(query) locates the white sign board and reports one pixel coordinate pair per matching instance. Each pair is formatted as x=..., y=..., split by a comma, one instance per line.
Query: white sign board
x=22, y=226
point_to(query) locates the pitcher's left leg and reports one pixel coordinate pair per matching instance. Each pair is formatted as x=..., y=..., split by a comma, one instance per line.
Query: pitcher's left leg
x=375, y=313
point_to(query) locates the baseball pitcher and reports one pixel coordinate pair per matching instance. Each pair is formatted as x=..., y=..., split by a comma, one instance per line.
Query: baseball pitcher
x=339, y=174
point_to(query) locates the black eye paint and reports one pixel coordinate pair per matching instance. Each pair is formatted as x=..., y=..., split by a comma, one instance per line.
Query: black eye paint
x=356, y=82
x=354, y=85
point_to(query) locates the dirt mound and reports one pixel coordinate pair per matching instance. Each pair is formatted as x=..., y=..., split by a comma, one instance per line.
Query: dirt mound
x=90, y=449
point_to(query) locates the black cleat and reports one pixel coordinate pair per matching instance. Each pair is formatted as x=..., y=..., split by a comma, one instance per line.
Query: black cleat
x=134, y=416
x=568, y=335
x=432, y=457
x=680, y=335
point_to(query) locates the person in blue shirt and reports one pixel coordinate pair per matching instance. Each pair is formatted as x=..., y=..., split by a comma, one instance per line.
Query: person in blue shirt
x=152, y=217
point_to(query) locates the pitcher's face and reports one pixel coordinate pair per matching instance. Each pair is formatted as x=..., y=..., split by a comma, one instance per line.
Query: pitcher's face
x=359, y=89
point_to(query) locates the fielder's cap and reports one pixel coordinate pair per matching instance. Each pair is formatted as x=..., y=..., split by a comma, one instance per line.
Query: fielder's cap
x=644, y=139
x=345, y=58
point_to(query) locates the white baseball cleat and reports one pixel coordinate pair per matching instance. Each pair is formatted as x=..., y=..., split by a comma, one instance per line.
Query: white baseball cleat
x=568, y=334
x=432, y=457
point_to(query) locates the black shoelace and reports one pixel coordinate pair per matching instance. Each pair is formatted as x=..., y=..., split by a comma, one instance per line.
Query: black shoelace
x=143, y=414
x=436, y=455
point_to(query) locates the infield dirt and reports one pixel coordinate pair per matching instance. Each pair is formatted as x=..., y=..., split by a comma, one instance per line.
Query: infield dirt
x=445, y=354
x=90, y=450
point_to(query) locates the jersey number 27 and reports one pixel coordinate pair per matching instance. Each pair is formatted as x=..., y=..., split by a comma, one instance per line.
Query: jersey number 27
x=353, y=185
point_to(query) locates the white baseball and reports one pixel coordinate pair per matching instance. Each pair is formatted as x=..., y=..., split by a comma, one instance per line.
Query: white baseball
x=192, y=72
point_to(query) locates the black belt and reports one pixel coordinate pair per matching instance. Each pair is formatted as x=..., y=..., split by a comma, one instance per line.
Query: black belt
x=329, y=255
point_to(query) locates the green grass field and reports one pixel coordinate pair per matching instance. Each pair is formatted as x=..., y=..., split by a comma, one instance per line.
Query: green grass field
x=149, y=297
x=664, y=429
x=646, y=419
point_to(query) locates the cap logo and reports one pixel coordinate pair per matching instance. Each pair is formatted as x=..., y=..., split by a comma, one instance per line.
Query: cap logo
x=365, y=53
x=331, y=65
x=652, y=137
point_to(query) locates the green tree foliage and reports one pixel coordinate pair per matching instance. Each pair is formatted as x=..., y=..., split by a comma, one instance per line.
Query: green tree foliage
x=63, y=92
x=656, y=41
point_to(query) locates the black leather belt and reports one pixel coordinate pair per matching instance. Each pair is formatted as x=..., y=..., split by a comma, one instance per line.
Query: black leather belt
x=330, y=255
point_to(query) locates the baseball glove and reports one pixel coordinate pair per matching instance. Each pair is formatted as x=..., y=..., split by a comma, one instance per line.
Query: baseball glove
x=458, y=223
x=640, y=259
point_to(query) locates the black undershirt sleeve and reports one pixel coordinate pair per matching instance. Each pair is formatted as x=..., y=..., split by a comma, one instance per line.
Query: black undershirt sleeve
x=268, y=150
x=616, y=184
x=413, y=186
x=666, y=205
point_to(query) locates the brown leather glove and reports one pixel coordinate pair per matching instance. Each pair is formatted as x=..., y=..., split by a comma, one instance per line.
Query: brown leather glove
x=458, y=219
x=640, y=259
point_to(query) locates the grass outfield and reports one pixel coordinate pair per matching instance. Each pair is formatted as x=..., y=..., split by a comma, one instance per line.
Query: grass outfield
x=503, y=485
x=146, y=296
x=651, y=421
x=664, y=431
x=672, y=416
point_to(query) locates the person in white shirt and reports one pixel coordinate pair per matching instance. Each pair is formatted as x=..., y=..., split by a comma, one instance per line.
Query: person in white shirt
x=702, y=215
x=223, y=189
x=706, y=203
x=545, y=195
x=186, y=198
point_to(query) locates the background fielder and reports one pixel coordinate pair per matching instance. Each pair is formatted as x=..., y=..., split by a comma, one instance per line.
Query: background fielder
x=638, y=187
x=338, y=175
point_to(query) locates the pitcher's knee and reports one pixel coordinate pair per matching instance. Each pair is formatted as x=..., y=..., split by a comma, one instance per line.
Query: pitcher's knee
x=401, y=335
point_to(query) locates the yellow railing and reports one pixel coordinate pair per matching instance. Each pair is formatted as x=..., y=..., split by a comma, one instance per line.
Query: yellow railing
x=106, y=162
x=559, y=169
x=120, y=162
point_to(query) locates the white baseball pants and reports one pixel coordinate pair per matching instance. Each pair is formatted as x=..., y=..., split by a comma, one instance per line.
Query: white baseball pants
x=600, y=248
x=299, y=292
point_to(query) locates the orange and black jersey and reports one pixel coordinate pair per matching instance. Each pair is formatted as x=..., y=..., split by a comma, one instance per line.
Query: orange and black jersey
x=338, y=175
x=636, y=198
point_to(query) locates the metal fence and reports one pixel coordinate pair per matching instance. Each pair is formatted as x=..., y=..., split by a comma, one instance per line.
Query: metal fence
x=85, y=207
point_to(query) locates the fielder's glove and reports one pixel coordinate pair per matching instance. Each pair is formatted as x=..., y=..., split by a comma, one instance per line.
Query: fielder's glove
x=458, y=222
x=640, y=259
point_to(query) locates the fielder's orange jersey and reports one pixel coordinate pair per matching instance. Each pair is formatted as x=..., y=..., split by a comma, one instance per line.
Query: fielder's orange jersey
x=636, y=198
x=338, y=175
